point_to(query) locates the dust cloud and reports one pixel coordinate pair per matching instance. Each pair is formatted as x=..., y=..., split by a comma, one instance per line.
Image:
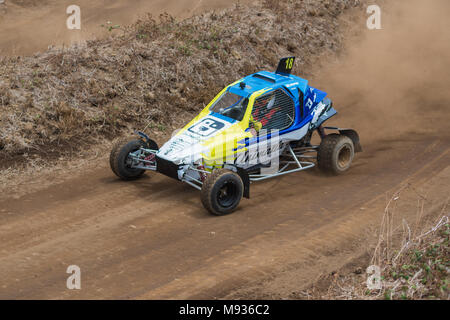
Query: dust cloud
x=394, y=83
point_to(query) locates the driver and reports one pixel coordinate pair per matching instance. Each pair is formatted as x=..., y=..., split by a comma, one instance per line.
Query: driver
x=263, y=111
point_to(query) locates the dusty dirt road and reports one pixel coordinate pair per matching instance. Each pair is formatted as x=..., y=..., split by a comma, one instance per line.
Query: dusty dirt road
x=152, y=239
x=28, y=26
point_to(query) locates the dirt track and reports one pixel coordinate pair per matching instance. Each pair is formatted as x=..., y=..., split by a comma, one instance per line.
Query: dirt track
x=28, y=26
x=153, y=239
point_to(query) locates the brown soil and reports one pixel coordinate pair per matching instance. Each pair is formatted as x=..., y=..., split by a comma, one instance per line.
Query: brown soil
x=28, y=26
x=152, y=239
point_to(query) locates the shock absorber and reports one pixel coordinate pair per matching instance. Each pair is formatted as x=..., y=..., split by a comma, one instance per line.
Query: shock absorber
x=321, y=132
x=202, y=174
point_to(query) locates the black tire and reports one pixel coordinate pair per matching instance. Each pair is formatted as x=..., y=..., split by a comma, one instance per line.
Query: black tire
x=119, y=155
x=222, y=191
x=335, y=154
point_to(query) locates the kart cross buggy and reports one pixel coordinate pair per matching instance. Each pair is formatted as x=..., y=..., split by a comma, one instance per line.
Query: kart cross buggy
x=257, y=128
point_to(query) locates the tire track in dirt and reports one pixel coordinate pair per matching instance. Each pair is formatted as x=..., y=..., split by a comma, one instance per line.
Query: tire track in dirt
x=33, y=25
x=174, y=236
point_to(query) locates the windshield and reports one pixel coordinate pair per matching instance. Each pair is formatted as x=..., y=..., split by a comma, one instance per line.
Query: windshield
x=230, y=105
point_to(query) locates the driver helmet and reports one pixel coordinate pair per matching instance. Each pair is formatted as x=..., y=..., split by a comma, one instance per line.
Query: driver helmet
x=267, y=101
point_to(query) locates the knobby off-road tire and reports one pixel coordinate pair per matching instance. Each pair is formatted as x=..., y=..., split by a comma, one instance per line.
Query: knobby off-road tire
x=222, y=191
x=119, y=155
x=335, y=154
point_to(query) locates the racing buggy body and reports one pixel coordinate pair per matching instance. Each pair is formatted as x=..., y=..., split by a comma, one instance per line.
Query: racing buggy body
x=257, y=128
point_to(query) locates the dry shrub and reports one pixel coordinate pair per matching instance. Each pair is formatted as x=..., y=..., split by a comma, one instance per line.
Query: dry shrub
x=414, y=258
x=415, y=265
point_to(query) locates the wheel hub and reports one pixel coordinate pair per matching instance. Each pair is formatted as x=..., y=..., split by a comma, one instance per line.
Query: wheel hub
x=344, y=156
x=226, y=194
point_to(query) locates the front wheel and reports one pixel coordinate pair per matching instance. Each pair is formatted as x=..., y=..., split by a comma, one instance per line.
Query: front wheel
x=335, y=154
x=120, y=161
x=222, y=191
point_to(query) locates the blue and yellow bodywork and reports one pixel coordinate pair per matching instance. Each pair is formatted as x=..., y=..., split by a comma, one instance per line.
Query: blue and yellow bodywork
x=234, y=137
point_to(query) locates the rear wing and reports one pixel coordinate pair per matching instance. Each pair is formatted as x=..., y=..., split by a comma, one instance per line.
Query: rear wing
x=285, y=66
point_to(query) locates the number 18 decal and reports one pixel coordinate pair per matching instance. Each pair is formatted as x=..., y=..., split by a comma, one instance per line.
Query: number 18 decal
x=289, y=63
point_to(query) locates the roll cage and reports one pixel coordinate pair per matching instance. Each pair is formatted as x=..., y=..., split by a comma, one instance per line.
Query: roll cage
x=294, y=96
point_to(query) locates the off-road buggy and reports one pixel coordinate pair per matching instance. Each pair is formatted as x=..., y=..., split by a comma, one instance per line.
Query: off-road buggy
x=257, y=128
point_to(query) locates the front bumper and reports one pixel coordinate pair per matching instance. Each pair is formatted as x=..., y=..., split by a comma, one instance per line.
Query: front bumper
x=167, y=168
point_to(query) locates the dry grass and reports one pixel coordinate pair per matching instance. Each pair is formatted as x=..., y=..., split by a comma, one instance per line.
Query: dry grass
x=155, y=73
x=414, y=258
x=419, y=267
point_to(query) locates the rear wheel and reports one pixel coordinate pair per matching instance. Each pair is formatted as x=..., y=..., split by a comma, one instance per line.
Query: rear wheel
x=121, y=163
x=222, y=192
x=335, y=154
